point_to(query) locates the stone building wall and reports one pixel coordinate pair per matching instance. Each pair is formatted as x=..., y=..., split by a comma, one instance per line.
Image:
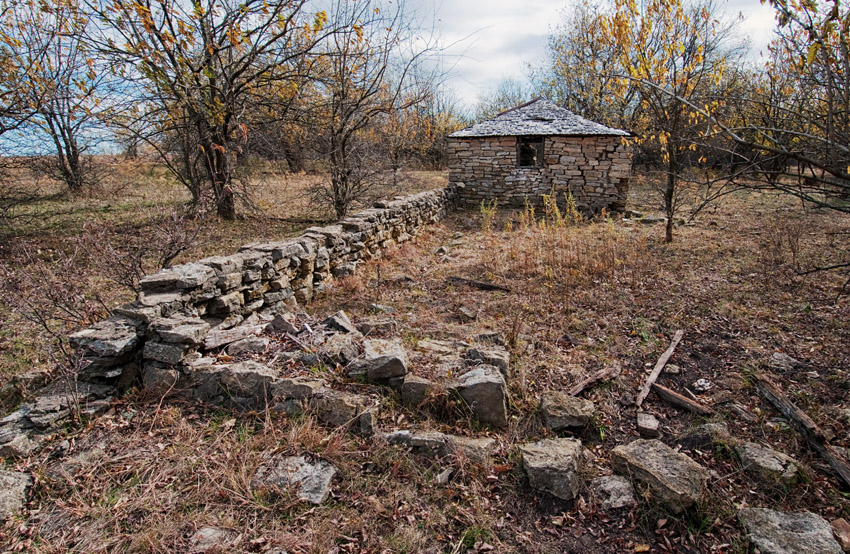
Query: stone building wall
x=188, y=306
x=595, y=169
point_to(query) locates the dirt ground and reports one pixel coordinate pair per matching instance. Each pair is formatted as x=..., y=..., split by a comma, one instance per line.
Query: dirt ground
x=583, y=296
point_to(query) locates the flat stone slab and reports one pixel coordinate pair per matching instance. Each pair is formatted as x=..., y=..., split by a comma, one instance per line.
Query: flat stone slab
x=647, y=425
x=13, y=492
x=562, y=411
x=496, y=356
x=415, y=390
x=705, y=436
x=674, y=478
x=341, y=322
x=248, y=379
x=613, y=491
x=180, y=329
x=767, y=462
x=774, y=532
x=433, y=443
x=382, y=360
x=250, y=344
x=209, y=538
x=552, y=466
x=485, y=392
x=311, y=481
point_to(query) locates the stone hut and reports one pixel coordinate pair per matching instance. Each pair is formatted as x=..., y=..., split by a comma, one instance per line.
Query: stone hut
x=540, y=148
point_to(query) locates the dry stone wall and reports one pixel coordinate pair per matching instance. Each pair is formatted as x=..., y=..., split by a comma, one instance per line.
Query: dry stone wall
x=595, y=170
x=202, y=303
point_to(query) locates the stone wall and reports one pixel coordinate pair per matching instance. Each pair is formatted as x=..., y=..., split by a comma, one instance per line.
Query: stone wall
x=195, y=304
x=595, y=170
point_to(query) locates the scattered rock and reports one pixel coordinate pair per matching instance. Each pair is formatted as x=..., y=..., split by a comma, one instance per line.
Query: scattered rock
x=647, y=425
x=442, y=251
x=13, y=492
x=705, y=436
x=381, y=308
x=552, y=466
x=338, y=409
x=20, y=446
x=767, y=462
x=495, y=356
x=208, y=538
x=415, y=390
x=373, y=326
x=784, y=362
x=841, y=531
x=382, y=360
x=651, y=220
x=340, y=349
x=443, y=477
x=467, y=314
x=702, y=385
x=562, y=411
x=311, y=481
x=613, y=491
x=159, y=381
x=484, y=391
x=775, y=532
x=674, y=478
x=672, y=369
x=283, y=323
x=251, y=344
x=340, y=322
x=435, y=444
x=249, y=379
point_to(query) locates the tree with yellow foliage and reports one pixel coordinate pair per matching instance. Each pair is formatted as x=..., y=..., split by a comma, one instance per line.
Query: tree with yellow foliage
x=673, y=55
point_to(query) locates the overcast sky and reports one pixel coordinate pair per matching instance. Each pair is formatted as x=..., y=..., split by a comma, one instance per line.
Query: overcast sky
x=492, y=39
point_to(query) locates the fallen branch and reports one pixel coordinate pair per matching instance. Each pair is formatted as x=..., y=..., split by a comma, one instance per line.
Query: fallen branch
x=481, y=285
x=659, y=367
x=804, y=425
x=681, y=401
x=601, y=375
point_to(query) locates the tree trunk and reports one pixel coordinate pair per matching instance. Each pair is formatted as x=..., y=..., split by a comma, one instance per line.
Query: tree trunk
x=669, y=195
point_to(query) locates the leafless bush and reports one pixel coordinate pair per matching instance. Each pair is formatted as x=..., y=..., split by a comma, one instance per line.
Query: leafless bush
x=127, y=261
x=51, y=293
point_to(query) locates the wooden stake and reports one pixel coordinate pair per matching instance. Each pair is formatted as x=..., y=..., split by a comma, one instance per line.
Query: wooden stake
x=659, y=367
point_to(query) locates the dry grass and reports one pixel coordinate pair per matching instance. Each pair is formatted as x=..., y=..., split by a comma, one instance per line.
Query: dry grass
x=584, y=295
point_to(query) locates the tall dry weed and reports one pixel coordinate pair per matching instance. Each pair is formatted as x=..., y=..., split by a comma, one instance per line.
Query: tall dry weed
x=563, y=248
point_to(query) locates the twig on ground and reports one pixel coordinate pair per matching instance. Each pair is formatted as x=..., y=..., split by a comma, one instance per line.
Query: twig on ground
x=681, y=401
x=601, y=375
x=481, y=285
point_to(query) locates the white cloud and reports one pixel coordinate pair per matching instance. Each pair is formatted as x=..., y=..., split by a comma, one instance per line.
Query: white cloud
x=493, y=39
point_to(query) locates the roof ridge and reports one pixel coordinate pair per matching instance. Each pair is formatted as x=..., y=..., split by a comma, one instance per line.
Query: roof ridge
x=509, y=110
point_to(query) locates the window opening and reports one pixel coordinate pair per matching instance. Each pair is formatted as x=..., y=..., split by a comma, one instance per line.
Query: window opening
x=530, y=151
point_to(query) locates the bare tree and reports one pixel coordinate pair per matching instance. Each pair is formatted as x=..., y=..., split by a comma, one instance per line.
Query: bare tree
x=369, y=68
x=200, y=68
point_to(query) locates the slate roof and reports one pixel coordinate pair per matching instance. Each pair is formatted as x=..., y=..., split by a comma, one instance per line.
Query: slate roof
x=538, y=117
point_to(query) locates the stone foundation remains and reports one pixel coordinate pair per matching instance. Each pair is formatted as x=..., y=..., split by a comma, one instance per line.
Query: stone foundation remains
x=201, y=303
